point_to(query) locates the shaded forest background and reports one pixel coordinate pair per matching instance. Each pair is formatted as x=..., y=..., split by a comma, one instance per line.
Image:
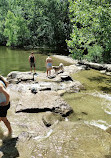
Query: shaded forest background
x=79, y=27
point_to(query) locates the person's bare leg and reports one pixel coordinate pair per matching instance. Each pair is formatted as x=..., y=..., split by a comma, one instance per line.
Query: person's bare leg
x=7, y=124
x=31, y=69
x=47, y=72
x=34, y=69
x=50, y=71
x=1, y=132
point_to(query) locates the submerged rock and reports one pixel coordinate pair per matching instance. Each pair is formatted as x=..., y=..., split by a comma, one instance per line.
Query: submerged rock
x=68, y=139
x=51, y=118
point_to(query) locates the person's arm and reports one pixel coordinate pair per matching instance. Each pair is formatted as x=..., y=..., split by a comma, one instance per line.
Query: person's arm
x=46, y=63
x=34, y=59
x=29, y=59
x=2, y=89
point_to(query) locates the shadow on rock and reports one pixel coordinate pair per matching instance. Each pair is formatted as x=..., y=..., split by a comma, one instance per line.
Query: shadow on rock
x=39, y=110
x=8, y=148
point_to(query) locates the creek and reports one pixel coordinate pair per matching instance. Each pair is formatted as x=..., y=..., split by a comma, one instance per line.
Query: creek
x=68, y=137
x=17, y=59
x=92, y=105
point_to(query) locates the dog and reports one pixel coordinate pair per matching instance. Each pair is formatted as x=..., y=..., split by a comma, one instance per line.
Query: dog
x=58, y=68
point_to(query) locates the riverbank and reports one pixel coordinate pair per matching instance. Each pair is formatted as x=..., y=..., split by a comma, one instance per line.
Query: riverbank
x=66, y=58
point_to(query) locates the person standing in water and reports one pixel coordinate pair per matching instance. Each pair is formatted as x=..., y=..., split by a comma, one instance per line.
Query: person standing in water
x=48, y=65
x=32, y=61
x=4, y=104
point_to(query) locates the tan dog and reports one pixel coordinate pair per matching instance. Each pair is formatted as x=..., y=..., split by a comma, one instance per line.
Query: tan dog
x=58, y=68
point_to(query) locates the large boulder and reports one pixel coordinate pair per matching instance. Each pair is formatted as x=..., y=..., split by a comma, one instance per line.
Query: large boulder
x=16, y=76
x=92, y=65
x=107, y=67
x=12, y=75
x=42, y=102
x=96, y=66
x=70, y=140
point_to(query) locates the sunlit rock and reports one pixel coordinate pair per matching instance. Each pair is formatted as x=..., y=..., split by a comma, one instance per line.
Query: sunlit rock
x=51, y=118
x=107, y=67
x=68, y=139
x=42, y=101
x=108, y=130
x=12, y=74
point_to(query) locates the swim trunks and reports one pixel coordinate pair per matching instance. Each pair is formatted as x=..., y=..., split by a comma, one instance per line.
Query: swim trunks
x=32, y=64
x=3, y=110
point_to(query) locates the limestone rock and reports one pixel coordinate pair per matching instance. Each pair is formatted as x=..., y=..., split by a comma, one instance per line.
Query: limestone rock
x=108, y=130
x=68, y=139
x=43, y=101
x=61, y=92
x=51, y=118
x=107, y=67
x=12, y=74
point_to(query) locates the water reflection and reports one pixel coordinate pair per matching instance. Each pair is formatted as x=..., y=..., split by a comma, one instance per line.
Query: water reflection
x=17, y=60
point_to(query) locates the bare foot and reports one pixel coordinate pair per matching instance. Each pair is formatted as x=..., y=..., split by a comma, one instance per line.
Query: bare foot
x=8, y=135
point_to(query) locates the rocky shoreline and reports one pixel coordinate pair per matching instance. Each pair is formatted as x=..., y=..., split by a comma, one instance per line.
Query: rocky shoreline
x=38, y=115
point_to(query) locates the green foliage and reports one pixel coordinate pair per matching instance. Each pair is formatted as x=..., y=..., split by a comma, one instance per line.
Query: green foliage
x=50, y=22
x=11, y=29
x=36, y=23
x=15, y=29
x=94, y=54
x=3, y=12
x=91, y=21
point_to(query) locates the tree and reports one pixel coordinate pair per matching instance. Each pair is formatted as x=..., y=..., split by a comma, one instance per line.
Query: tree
x=11, y=29
x=49, y=23
x=15, y=30
x=91, y=34
x=3, y=12
x=36, y=23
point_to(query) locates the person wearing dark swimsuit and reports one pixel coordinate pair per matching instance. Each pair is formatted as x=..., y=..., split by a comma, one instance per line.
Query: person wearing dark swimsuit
x=32, y=61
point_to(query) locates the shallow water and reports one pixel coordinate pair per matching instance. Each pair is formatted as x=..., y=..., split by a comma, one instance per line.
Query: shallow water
x=17, y=60
x=92, y=105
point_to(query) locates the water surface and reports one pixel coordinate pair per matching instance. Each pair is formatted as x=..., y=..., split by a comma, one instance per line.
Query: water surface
x=92, y=105
x=17, y=60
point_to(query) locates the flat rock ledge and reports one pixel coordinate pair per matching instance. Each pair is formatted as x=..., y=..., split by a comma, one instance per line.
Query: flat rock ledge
x=63, y=140
x=36, y=93
x=42, y=102
x=39, y=82
x=17, y=77
x=106, y=68
x=67, y=139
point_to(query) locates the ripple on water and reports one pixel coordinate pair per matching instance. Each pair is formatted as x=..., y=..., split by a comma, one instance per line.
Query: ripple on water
x=100, y=123
x=107, y=97
x=104, y=96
